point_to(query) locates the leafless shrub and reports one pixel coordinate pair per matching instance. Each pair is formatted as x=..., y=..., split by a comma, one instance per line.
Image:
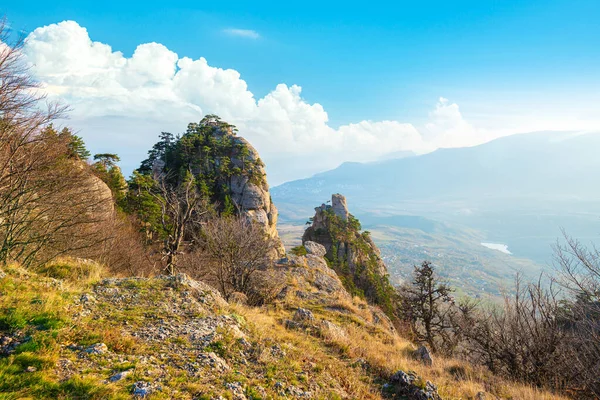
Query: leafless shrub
x=230, y=251
x=182, y=210
x=125, y=253
x=523, y=339
x=578, y=271
x=48, y=202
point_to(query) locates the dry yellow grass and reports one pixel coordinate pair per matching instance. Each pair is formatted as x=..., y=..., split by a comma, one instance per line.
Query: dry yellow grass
x=384, y=353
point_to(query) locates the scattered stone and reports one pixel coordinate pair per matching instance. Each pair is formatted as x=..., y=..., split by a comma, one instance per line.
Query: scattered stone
x=98, y=348
x=237, y=390
x=30, y=368
x=315, y=248
x=362, y=363
x=86, y=298
x=120, y=376
x=303, y=315
x=2, y=274
x=214, y=361
x=331, y=330
x=277, y=351
x=422, y=354
x=298, y=393
x=289, y=324
x=410, y=385
x=142, y=389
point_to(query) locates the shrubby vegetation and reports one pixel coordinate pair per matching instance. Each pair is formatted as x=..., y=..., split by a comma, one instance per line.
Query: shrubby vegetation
x=546, y=333
x=361, y=275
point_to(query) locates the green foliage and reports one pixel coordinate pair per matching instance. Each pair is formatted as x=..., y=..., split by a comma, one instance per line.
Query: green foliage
x=107, y=159
x=75, y=145
x=228, y=207
x=143, y=201
x=364, y=280
x=299, y=251
x=207, y=150
x=106, y=169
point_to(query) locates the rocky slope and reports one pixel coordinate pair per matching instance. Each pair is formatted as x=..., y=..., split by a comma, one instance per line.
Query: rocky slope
x=350, y=252
x=87, y=337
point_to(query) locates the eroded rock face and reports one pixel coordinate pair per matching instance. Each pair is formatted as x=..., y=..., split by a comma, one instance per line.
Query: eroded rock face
x=315, y=249
x=338, y=232
x=252, y=195
x=238, y=168
x=339, y=206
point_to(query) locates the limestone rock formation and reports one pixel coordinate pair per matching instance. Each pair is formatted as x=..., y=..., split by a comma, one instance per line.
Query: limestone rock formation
x=350, y=252
x=228, y=166
x=315, y=249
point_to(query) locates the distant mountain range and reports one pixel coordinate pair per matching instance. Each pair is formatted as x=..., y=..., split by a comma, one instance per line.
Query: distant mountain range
x=518, y=190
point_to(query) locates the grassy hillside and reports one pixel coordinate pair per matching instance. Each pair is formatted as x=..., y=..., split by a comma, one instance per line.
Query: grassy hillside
x=88, y=337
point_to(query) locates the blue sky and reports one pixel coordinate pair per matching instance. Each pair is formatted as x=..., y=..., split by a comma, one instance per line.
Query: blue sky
x=372, y=61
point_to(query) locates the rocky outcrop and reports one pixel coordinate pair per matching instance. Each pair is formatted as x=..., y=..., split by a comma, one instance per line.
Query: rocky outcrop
x=251, y=192
x=410, y=386
x=424, y=355
x=226, y=167
x=350, y=252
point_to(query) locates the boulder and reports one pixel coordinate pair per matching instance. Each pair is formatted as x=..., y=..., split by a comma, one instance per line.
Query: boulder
x=410, y=386
x=315, y=249
x=303, y=315
x=98, y=348
x=424, y=355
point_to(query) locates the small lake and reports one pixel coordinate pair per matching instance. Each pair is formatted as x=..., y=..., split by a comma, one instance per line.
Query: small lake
x=497, y=246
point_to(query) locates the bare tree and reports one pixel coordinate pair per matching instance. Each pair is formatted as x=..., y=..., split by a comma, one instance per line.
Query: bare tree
x=182, y=209
x=234, y=249
x=427, y=303
x=48, y=204
x=578, y=270
x=523, y=339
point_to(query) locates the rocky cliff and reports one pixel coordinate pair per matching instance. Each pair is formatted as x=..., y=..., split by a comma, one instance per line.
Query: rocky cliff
x=350, y=252
x=227, y=168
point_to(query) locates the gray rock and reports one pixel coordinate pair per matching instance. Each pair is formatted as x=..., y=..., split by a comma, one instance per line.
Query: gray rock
x=86, y=298
x=331, y=330
x=237, y=390
x=339, y=206
x=30, y=368
x=424, y=355
x=142, y=389
x=298, y=393
x=238, y=298
x=315, y=248
x=303, y=315
x=403, y=384
x=214, y=361
x=120, y=376
x=98, y=348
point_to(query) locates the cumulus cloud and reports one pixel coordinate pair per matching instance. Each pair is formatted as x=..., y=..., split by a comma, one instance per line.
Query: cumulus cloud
x=121, y=104
x=245, y=33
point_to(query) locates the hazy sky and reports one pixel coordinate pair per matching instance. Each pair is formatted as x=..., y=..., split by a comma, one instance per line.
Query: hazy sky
x=313, y=84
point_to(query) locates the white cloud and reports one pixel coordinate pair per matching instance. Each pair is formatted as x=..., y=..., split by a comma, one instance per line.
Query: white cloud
x=245, y=33
x=121, y=104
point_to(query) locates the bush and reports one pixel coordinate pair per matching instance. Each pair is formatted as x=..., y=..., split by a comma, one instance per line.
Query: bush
x=299, y=251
